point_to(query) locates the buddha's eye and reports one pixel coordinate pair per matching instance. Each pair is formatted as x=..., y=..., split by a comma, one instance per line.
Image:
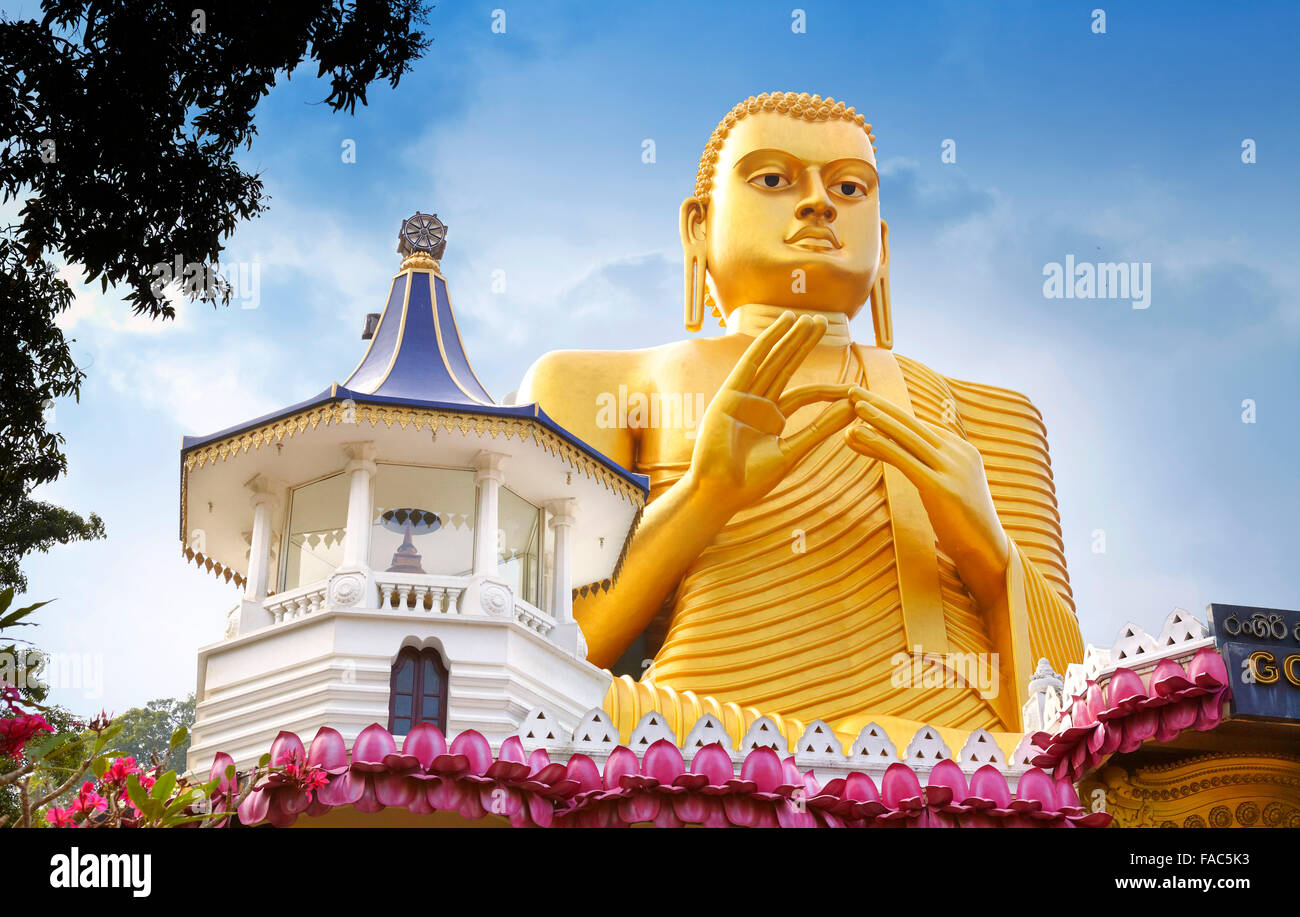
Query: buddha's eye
x=850, y=189
x=774, y=180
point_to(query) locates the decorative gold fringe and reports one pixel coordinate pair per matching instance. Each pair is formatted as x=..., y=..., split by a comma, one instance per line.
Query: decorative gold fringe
x=418, y=418
x=207, y=563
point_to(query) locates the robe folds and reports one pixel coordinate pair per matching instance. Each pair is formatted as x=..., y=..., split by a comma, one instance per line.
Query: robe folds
x=829, y=597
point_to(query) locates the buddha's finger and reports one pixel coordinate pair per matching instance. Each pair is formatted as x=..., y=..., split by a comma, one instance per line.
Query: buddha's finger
x=755, y=412
x=782, y=355
x=786, y=370
x=803, y=395
x=915, y=424
x=899, y=432
x=834, y=418
x=871, y=444
x=742, y=374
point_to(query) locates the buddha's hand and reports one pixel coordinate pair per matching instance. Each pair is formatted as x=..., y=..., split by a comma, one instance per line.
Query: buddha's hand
x=740, y=453
x=949, y=473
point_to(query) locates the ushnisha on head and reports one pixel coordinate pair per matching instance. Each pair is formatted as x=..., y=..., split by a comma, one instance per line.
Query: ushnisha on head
x=786, y=213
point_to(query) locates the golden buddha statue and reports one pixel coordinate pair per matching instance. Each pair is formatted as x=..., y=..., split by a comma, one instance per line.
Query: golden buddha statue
x=839, y=509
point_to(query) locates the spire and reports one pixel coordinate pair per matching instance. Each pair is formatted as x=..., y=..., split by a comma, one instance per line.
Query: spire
x=415, y=351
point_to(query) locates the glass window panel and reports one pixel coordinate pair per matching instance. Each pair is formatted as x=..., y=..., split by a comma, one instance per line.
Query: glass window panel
x=429, y=709
x=405, y=682
x=318, y=519
x=402, y=705
x=423, y=520
x=401, y=727
x=431, y=683
x=519, y=544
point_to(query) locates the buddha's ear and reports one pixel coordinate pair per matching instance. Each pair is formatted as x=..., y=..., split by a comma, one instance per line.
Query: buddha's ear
x=692, y=222
x=881, y=314
x=695, y=262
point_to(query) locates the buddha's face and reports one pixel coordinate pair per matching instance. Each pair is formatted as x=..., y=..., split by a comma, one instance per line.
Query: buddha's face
x=791, y=195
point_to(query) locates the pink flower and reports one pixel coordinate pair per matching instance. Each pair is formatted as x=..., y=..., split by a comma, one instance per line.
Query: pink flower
x=305, y=776
x=15, y=732
x=119, y=770
x=315, y=781
x=88, y=800
x=295, y=779
x=62, y=818
x=146, y=784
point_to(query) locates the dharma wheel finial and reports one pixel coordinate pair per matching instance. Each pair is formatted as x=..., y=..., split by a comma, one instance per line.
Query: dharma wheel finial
x=422, y=234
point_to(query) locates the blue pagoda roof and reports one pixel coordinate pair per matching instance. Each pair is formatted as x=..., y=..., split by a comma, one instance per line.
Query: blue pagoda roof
x=416, y=351
x=416, y=359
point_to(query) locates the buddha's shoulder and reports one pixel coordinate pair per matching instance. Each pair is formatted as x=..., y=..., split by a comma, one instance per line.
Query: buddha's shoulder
x=991, y=396
x=622, y=366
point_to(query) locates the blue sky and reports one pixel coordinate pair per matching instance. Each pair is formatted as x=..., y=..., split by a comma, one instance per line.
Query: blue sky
x=1117, y=147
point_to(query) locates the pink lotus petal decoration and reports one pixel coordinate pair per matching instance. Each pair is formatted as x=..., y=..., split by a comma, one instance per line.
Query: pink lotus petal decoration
x=761, y=790
x=373, y=745
x=328, y=751
x=1174, y=698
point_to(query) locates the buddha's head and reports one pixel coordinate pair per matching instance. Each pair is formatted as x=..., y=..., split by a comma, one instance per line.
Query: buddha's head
x=786, y=210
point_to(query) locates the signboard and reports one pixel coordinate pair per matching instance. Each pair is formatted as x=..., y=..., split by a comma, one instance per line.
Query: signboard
x=1261, y=648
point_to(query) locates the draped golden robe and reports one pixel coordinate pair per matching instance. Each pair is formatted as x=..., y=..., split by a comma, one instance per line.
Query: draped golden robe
x=795, y=610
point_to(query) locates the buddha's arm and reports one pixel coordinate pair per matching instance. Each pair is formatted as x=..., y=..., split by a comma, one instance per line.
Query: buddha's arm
x=674, y=528
x=739, y=455
x=1012, y=439
x=1025, y=616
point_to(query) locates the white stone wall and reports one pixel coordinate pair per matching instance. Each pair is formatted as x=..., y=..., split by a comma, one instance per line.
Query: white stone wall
x=332, y=668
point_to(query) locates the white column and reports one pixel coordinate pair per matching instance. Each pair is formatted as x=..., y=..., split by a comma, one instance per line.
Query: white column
x=262, y=497
x=489, y=478
x=361, y=469
x=563, y=515
x=259, y=552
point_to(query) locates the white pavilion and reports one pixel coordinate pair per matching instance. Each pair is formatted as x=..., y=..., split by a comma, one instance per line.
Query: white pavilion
x=407, y=548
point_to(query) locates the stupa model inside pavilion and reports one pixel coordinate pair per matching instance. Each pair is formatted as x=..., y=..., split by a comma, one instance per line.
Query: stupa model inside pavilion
x=409, y=551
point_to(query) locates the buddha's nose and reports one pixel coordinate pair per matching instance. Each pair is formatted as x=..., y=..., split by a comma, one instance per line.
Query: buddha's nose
x=816, y=203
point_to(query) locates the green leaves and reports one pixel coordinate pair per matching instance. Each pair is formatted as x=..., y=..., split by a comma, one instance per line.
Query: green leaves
x=166, y=804
x=163, y=786
x=15, y=618
x=123, y=127
x=138, y=796
x=46, y=744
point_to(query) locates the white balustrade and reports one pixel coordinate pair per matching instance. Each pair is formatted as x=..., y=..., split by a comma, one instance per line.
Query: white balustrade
x=297, y=603
x=435, y=595
x=422, y=594
x=533, y=618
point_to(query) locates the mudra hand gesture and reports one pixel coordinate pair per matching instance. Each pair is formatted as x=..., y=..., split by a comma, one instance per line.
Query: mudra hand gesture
x=949, y=474
x=740, y=453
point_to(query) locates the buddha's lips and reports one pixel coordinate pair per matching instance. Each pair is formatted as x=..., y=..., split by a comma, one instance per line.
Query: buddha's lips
x=822, y=233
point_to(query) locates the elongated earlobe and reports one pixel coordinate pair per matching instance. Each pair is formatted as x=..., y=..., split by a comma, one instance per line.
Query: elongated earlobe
x=695, y=263
x=881, y=318
x=694, y=293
